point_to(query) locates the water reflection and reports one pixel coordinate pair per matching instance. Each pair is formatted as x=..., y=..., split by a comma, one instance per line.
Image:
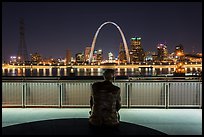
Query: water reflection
x=91, y=72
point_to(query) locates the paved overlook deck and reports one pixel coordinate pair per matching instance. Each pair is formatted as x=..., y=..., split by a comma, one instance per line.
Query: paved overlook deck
x=74, y=121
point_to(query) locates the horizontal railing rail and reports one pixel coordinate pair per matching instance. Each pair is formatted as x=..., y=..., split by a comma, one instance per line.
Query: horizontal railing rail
x=76, y=93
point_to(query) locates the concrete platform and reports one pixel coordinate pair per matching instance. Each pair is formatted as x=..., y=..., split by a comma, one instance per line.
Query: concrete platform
x=139, y=121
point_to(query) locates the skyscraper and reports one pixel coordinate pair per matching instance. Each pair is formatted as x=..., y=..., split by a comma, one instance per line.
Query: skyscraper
x=122, y=57
x=36, y=58
x=110, y=57
x=87, y=53
x=150, y=56
x=79, y=57
x=179, y=52
x=68, y=56
x=137, y=53
x=162, y=52
x=99, y=55
x=179, y=49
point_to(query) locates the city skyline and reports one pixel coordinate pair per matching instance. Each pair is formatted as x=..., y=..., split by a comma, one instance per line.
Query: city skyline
x=52, y=28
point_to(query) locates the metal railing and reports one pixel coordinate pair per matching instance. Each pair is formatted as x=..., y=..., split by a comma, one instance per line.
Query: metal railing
x=76, y=93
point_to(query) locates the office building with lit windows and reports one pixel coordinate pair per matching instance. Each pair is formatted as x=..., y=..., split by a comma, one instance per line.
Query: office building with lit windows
x=68, y=56
x=122, y=56
x=87, y=54
x=179, y=52
x=136, y=53
x=110, y=57
x=162, y=52
x=99, y=55
x=79, y=57
x=36, y=58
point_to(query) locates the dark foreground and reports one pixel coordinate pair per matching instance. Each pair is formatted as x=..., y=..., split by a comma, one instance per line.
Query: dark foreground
x=75, y=126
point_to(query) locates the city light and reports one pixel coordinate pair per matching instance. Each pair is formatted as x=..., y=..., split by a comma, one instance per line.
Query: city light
x=134, y=55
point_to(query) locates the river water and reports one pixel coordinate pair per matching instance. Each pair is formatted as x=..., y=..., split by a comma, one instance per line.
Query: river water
x=94, y=72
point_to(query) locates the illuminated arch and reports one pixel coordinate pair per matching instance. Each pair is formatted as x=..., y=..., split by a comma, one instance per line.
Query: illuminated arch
x=123, y=38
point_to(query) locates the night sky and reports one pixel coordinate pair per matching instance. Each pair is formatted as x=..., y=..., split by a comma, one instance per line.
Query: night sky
x=51, y=28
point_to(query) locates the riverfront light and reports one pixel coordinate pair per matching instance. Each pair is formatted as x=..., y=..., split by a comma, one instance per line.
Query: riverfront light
x=13, y=57
x=179, y=53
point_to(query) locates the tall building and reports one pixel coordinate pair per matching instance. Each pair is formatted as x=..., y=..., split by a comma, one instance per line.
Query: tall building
x=162, y=52
x=94, y=57
x=150, y=56
x=122, y=56
x=99, y=55
x=12, y=59
x=79, y=57
x=110, y=57
x=36, y=58
x=137, y=53
x=179, y=52
x=87, y=53
x=68, y=56
x=179, y=49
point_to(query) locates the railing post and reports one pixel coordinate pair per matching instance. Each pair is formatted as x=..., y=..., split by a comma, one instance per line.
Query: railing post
x=24, y=90
x=22, y=95
x=128, y=94
x=200, y=89
x=60, y=94
x=167, y=95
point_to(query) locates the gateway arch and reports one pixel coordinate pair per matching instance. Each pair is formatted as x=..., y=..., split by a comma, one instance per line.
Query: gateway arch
x=123, y=38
